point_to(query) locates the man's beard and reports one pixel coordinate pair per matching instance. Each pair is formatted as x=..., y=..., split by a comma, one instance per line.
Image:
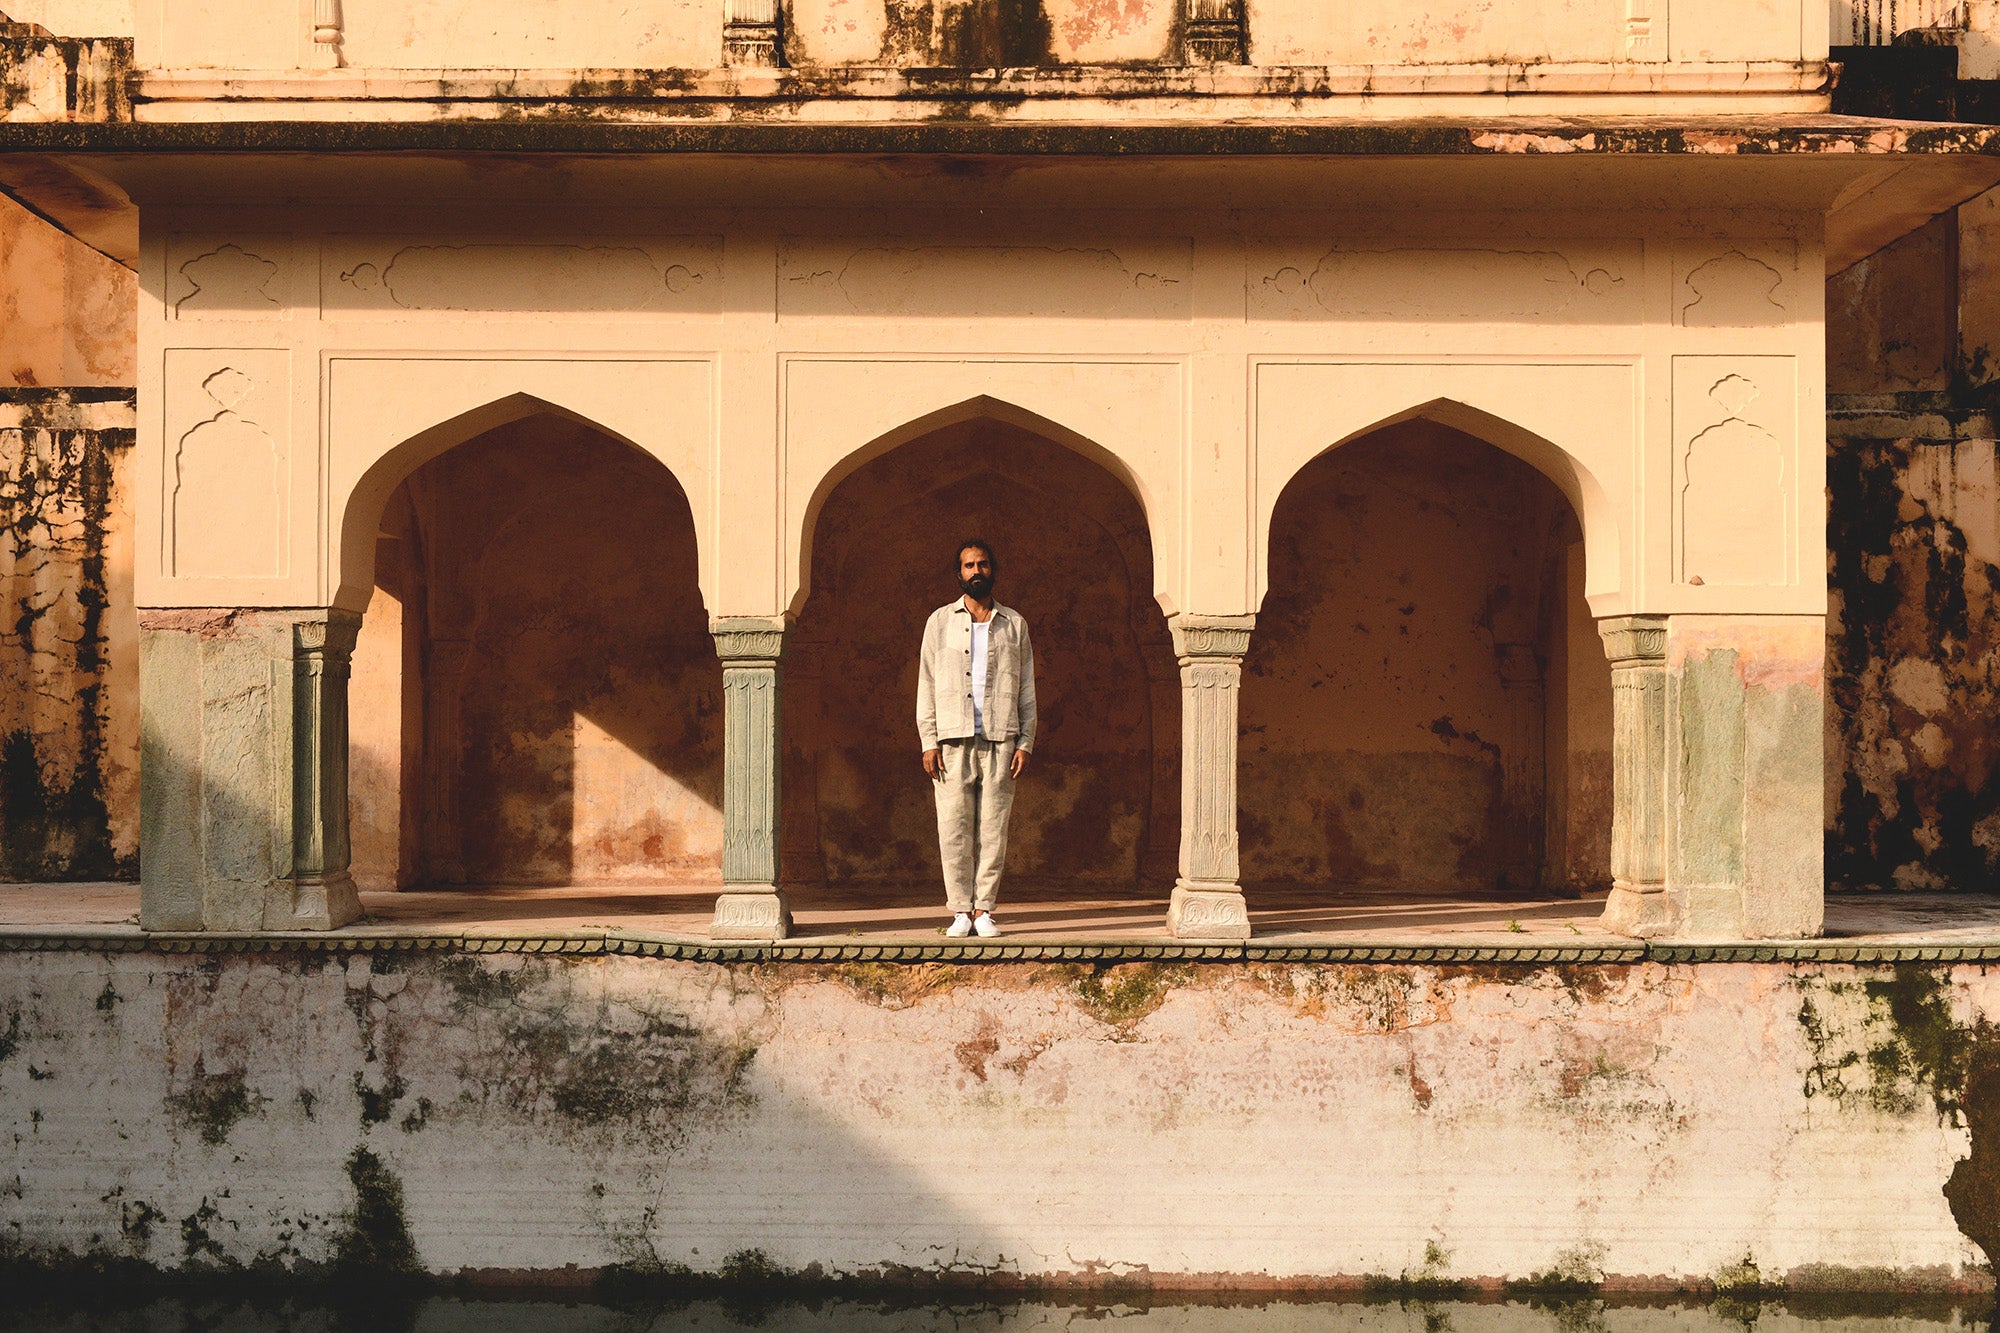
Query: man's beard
x=977, y=586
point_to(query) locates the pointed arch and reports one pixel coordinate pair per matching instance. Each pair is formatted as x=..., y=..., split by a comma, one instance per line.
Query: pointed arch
x=1595, y=510
x=361, y=515
x=978, y=407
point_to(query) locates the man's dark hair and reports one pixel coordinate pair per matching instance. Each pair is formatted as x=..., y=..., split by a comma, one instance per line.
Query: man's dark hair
x=974, y=544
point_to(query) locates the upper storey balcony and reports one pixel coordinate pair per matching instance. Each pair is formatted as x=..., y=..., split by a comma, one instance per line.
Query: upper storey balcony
x=874, y=60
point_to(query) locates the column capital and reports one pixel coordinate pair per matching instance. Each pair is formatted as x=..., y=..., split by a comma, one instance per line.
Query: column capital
x=329, y=633
x=1631, y=641
x=1211, y=637
x=749, y=640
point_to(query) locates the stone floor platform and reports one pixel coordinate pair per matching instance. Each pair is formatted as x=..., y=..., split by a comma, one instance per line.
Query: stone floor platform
x=1292, y=924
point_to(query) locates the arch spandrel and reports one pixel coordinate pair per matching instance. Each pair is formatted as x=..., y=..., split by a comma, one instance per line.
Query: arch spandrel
x=1576, y=425
x=1127, y=417
x=388, y=418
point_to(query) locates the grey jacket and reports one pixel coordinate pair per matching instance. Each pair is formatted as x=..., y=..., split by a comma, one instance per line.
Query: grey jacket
x=944, y=678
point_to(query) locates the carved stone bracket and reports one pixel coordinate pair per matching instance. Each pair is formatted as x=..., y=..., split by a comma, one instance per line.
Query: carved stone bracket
x=751, y=906
x=1207, y=900
x=1637, y=648
x=753, y=34
x=1213, y=32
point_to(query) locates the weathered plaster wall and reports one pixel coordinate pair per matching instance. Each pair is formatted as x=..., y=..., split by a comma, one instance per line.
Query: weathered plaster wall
x=565, y=700
x=1101, y=804
x=1407, y=714
x=1645, y=1123
x=69, y=666
x=68, y=315
x=1913, y=640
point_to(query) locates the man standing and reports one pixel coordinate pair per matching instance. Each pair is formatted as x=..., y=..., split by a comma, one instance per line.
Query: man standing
x=976, y=719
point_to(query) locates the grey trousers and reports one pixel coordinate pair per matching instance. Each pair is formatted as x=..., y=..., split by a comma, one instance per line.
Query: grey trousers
x=974, y=797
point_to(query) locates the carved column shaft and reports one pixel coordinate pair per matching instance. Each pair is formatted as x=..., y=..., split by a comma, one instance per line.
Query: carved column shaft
x=1213, y=32
x=1637, y=647
x=321, y=668
x=751, y=906
x=1208, y=900
x=326, y=34
x=752, y=34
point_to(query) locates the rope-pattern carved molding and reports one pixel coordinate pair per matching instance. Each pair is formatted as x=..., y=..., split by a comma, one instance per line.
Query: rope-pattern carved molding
x=614, y=944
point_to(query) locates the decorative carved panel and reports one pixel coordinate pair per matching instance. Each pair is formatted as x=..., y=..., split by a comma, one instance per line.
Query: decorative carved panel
x=1141, y=280
x=228, y=472
x=1736, y=286
x=241, y=277
x=681, y=275
x=1734, y=444
x=1528, y=281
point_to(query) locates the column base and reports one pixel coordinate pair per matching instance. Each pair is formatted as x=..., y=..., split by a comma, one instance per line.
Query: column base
x=750, y=913
x=1208, y=911
x=318, y=904
x=1639, y=912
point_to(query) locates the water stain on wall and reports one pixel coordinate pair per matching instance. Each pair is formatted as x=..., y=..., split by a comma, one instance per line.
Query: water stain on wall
x=1407, y=712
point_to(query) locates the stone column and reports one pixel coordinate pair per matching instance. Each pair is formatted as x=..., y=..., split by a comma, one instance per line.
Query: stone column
x=1208, y=900
x=751, y=907
x=243, y=769
x=1718, y=828
x=1637, y=647
x=752, y=37
x=1745, y=784
x=1213, y=32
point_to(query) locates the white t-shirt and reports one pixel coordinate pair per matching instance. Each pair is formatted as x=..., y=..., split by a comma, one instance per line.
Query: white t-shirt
x=979, y=677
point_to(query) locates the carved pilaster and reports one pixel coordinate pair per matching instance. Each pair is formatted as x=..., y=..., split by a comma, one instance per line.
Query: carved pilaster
x=325, y=34
x=1208, y=901
x=1637, y=648
x=753, y=34
x=1213, y=32
x=323, y=894
x=750, y=907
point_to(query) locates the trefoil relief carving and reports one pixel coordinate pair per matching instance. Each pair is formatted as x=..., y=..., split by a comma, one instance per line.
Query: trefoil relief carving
x=527, y=278
x=225, y=513
x=1745, y=286
x=1369, y=282
x=227, y=280
x=1734, y=519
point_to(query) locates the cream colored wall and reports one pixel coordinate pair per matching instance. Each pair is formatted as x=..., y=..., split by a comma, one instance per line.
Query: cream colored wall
x=621, y=34
x=1655, y=374
x=76, y=18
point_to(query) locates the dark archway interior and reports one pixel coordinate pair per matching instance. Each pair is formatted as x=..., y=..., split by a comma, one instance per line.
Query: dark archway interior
x=1099, y=810
x=1426, y=705
x=537, y=698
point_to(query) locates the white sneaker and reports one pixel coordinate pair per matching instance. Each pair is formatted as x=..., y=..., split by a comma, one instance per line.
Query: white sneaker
x=961, y=926
x=986, y=925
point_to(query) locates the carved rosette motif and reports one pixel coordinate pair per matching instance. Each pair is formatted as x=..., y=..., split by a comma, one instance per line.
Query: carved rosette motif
x=1214, y=33
x=1637, y=648
x=753, y=34
x=1208, y=902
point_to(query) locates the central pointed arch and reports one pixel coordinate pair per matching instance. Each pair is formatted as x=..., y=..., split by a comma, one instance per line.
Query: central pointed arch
x=976, y=408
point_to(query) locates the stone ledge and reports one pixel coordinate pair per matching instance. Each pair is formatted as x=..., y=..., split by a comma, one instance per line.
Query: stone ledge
x=607, y=944
x=1847, y=137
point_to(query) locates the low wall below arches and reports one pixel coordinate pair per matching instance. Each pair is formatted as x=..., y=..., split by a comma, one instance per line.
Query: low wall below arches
x=1643, y=1124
